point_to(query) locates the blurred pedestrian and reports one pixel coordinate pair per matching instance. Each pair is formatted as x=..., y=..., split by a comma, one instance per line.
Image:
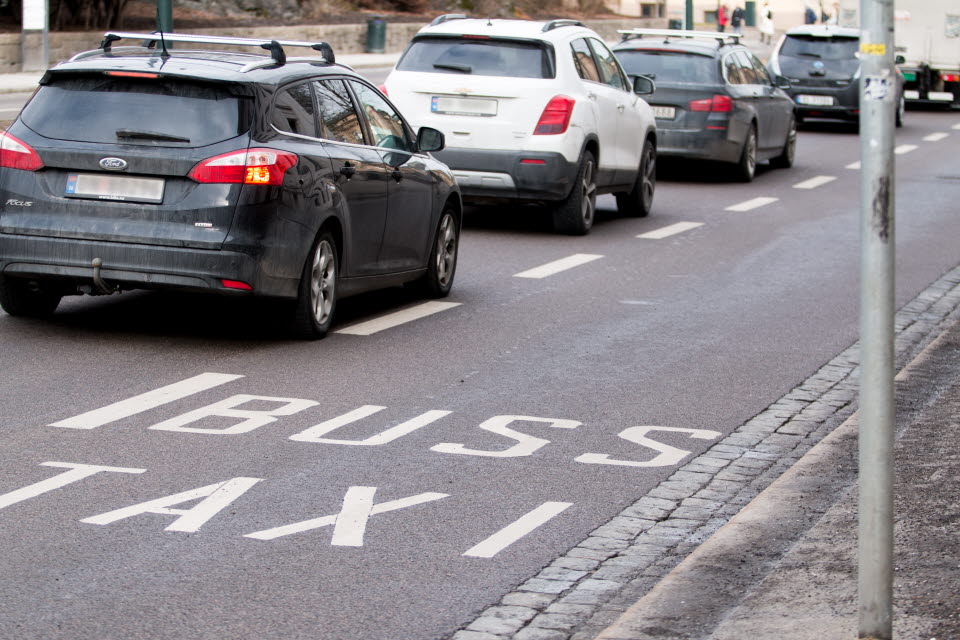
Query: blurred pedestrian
x=736, y=20
x=766, y=24
x=809, y=15
x=723, y=17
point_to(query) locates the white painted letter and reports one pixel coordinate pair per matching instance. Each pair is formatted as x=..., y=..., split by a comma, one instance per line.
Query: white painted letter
x=525, y=446
x=216, y=497
x=225, y=408
x=351, y=522
x=77, y=472
x=668, y=455
x=516, y=530
x=316, y=432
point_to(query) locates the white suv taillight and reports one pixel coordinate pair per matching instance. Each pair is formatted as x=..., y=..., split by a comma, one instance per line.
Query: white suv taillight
x=17, y=154
x=555, y=117
x=249, y=166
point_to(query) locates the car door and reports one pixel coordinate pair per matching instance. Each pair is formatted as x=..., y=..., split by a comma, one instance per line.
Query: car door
x=601, y=105
x=410, y=192
x=759, y=88
x=620, y=107
x=360, y=176
x=779, y=106
x=744, y=95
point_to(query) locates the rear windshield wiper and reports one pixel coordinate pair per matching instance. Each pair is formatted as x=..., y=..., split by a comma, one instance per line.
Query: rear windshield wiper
x=150, y=135
x=809, y=54
x=462, y=68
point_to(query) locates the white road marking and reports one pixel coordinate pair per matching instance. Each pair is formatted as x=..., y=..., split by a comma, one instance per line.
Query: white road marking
x=326, y=521
x=557, y=266
x=956, y=127
x=670, y=230
x=936, y=137
x=76, y=473
x=516, y=530
x=397, y=318
x=854, y=165
x=251, y=418
x=526, y=444
x=352, y=519
x=904, y=148
x=815, y=182
x=316, y=432
x=146, y=401
x=666, y=455
x=755, y=203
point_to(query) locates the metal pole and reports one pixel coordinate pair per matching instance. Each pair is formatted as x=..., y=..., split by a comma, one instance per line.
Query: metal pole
x=688, y=16
x=878, y=95
x=165, y=16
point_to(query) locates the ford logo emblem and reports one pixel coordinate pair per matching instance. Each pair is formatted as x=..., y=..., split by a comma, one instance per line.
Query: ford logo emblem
x=113, y=164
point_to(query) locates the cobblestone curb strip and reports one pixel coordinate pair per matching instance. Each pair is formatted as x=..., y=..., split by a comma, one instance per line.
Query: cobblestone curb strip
x=588, y=588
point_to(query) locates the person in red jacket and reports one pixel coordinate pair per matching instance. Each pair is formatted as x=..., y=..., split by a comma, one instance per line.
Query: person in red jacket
x=723, y=17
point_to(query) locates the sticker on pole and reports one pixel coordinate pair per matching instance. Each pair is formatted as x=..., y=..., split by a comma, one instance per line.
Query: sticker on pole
x=877, y=88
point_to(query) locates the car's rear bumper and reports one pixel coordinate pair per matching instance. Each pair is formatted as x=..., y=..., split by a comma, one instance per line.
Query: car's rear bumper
x=846, y=102
x=136, y=266
x=510, y=174
x=698, y=144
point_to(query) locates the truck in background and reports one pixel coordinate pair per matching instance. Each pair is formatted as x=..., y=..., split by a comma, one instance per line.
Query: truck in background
x=927, y=46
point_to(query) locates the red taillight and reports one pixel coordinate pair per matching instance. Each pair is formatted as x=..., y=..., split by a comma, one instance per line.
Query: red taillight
x=383, y=89
x=555, y=117
x=236, y=284
x=132, y=74
x=17, y=154
x=950, y=77
x=718, y=103
x=532, y=161
x=251, y=166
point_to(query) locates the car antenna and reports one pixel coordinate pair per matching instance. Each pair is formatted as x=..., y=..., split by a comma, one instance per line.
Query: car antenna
x=489, y=22
x=163, y=45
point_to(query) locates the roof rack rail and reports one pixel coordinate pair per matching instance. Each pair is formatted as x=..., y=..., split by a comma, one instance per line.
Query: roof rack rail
x=275, y=47
x=447, y=17
x=563, y=22
x=627, y=34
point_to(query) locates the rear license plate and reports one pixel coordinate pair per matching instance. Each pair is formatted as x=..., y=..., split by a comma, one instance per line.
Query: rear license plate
x=816, y=101
x=463, y=106
x=665, y=113
x=109, y=187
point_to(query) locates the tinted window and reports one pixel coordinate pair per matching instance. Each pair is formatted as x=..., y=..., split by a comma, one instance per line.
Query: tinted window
x=293, y=111
x=385, y=123
x=748, y=74
x=508, y=58
x=609, y=69
x=669, y=66
x=96, y=108
x=338, y=116
x=731, y=69
x=583, y=60
x=835, y=48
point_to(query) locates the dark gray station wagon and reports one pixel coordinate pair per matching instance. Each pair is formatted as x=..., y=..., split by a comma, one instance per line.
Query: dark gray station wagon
x=226, y=172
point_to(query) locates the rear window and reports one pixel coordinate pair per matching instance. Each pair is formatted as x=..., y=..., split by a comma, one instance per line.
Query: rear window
x=161, y=112
x=670, y=66
x=833, y=48
x=479, y=57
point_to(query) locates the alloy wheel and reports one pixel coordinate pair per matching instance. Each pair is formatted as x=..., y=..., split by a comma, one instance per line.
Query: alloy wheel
x=446, y=249
x=588, y=187
x=323, y=280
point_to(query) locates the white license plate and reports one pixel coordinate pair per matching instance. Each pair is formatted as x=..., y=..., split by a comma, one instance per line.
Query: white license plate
x=910, y=94
x=463, y=106
x=665, y=113
x=109, y=187
x=815, y=101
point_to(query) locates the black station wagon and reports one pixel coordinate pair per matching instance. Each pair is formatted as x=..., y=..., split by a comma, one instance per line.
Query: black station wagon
x=150, y=167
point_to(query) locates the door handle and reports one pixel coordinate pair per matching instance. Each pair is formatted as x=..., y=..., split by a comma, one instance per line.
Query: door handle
x=592, y=96
x=620, y=108
x=348, y=170
x=397, y=175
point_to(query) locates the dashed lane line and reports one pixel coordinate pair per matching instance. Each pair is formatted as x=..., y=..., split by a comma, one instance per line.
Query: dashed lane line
x=936, y=137
x=397, y=318
x=749, y=205
x=670, y=230
x=956, y=127
x=853, y=165
x=557, y=266
x=904, y=148
x=814, y=182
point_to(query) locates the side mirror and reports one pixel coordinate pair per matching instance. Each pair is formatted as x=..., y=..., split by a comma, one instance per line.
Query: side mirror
x=899, y=59
x=643, y=86
x=781, y=83
x=429, y=139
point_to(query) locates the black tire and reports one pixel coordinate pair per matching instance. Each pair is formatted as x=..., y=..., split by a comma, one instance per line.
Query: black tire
x=638, y=202
x=574, y=214
x=901, y=108
x=785, y=159
x=746, y=167
x=317, y=297
x=27, y=299
x=442, y=267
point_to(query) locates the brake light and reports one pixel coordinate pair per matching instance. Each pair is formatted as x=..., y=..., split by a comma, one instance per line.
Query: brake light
x=718, y=104
x=950, y=77
x=468, y=36
x=17, y=154
x=132, y=74
x=383, y=89
x=555, y=117
x=236, y=284
x=250, y=166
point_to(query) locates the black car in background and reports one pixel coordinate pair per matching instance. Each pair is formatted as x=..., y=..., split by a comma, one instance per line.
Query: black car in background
x=822, y=65
x=223, y=172
x=714, y=99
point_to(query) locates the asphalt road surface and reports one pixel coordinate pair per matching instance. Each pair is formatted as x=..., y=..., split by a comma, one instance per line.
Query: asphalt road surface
x=394, y=479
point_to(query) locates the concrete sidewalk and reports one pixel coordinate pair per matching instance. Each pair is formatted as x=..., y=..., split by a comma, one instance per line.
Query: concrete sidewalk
x=755, y=579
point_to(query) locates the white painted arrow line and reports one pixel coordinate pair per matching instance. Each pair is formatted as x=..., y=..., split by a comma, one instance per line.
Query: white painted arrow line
x=936, y=137
x=557, y=266
x=397, y=318
x=749, y=205
x=904, y=148
x=670, y=230
x=815, y=182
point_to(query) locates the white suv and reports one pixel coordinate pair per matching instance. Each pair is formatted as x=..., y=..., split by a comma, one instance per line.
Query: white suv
x=532, y=112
